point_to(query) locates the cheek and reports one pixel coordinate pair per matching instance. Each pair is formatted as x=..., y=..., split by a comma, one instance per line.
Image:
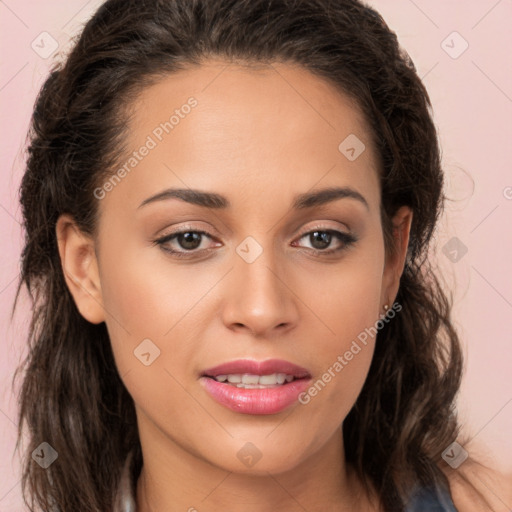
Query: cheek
x=154, y=330
x=346, y=296
x=149, y=300
x=348, y=304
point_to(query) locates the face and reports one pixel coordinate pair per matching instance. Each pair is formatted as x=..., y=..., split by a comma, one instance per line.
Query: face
x=216, y=246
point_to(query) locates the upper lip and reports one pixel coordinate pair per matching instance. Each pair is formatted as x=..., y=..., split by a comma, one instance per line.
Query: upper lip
x=250, y=366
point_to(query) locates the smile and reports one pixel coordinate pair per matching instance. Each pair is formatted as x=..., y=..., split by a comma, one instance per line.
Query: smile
x=252, y=387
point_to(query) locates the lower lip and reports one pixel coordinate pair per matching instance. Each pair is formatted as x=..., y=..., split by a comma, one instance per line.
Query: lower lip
x=255, y=401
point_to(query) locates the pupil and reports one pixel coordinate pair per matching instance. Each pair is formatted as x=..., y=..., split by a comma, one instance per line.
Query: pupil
x=320, y=236
x=190, y=240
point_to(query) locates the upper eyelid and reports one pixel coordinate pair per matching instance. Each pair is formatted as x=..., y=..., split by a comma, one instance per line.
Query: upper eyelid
x=319, y=227
x=190, y=229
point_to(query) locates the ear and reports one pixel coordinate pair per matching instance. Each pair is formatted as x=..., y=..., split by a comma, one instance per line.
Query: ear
x=80, y=267
x=395, y=260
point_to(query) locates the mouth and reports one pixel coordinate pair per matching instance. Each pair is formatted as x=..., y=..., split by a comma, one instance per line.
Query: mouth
x=256, y=387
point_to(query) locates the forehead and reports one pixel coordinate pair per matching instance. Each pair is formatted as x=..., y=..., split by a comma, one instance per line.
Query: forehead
x=228, y=126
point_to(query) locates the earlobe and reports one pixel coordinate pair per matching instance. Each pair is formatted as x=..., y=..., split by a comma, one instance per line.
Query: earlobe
x=395, y=260
x=80, y=268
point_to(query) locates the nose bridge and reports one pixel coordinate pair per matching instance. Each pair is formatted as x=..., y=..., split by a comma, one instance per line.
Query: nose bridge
x=258, y=297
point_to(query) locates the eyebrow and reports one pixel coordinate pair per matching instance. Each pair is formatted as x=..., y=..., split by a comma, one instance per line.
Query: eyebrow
x=216, y=201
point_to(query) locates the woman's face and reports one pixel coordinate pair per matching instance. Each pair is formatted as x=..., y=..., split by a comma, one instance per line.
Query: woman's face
x=251, y=280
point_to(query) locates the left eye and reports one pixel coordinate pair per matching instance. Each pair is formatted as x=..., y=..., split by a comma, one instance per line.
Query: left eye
x=321, y=239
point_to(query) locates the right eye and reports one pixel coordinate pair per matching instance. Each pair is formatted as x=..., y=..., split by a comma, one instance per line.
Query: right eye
x=183, y=243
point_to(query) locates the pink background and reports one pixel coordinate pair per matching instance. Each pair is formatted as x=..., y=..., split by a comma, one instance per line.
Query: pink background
x=472, y=98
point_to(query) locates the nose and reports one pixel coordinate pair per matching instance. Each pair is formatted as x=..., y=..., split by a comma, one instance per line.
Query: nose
x=259, y=297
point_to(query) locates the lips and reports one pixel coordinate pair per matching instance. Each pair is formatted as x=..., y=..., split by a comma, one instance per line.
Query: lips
x=255, y=387
x=252, y=367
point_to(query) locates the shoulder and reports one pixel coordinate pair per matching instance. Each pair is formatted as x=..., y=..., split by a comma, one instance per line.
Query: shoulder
x=475, y=487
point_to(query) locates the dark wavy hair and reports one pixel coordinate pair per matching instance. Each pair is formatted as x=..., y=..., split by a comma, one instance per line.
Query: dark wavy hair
x=72, y=395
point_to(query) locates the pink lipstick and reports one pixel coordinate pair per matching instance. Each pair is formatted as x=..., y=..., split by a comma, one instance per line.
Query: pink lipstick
x=256, y=387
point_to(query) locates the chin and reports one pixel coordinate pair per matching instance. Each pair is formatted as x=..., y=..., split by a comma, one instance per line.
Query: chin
x=260, y=457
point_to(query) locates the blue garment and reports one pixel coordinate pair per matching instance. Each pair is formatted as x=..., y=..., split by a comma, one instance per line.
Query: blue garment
x=423, y=500
x=431, y=500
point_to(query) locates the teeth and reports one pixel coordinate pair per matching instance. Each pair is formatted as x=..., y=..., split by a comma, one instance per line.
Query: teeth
x=268, y=379
x=249, y=381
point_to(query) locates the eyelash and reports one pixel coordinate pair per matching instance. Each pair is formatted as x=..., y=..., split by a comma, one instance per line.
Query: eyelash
x=345, y=238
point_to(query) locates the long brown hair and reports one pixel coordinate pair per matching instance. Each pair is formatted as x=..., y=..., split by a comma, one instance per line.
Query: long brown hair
x=72, y=396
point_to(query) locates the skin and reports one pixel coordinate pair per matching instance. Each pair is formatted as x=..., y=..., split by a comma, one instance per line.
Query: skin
x=258, y=137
